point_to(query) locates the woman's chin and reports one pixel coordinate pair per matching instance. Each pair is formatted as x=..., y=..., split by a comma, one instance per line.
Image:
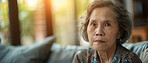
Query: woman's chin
x=99, y=47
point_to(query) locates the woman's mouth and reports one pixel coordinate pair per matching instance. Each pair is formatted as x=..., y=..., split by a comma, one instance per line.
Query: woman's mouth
x=99, y=41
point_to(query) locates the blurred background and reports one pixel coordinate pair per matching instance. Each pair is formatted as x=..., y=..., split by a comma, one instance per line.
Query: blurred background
x=25, y=22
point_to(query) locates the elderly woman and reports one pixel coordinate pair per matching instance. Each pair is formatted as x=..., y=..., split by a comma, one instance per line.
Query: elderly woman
x=106, y=26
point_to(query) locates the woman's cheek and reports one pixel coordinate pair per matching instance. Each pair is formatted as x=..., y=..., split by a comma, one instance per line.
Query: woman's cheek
x=90, y=35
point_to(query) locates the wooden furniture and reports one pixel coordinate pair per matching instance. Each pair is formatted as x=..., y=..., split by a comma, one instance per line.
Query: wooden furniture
x=14, y=23
x=140, y=34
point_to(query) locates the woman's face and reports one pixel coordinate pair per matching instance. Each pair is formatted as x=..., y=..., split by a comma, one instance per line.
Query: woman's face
x=102, y=29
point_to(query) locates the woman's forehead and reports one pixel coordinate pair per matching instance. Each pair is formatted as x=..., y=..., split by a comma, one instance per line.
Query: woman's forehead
x=102, y=14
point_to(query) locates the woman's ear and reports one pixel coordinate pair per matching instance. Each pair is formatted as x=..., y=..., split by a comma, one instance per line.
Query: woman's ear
x=119, y=35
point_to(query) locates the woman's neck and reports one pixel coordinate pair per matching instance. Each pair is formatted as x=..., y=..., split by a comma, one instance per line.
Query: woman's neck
x=107, y=55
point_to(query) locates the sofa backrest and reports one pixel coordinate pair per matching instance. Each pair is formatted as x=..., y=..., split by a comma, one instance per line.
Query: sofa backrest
x=65, y=54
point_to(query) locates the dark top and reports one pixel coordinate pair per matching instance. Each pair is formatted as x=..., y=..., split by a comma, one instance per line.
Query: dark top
x=122, y=55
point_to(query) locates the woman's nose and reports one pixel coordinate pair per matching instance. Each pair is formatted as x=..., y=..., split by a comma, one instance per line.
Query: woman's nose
x=99, y=32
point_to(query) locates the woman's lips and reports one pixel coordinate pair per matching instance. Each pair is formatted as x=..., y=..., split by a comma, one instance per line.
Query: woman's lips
x=99, y=41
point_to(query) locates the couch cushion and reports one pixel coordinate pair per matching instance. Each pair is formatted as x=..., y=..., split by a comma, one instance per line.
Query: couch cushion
x=37, y=53
x=137, y=48
x=144, y=56
x=63, y=54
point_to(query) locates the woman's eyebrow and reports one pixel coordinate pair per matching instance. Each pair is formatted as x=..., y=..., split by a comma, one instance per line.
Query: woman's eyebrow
x=108, y=20
x=92, y=20
x=105, y=20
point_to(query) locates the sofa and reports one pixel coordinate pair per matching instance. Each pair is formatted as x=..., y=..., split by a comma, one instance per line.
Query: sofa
x=49, y=51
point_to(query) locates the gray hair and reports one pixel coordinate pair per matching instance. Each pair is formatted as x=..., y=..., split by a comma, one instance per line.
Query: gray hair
x=121, y=14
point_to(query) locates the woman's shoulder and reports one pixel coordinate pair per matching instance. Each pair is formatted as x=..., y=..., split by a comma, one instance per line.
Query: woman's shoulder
x=85, y=52
x=127, y=55
x=83, y=55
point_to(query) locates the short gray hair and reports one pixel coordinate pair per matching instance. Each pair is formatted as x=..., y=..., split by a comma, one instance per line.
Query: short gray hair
x=122, y=16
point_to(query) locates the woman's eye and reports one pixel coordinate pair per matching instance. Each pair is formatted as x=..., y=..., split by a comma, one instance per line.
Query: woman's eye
x=94, y=24
x=107, y=24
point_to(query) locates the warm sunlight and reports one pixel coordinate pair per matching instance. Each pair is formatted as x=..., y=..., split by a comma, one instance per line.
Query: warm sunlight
x=4, y=0
x=59, y=4
x=32, y=3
